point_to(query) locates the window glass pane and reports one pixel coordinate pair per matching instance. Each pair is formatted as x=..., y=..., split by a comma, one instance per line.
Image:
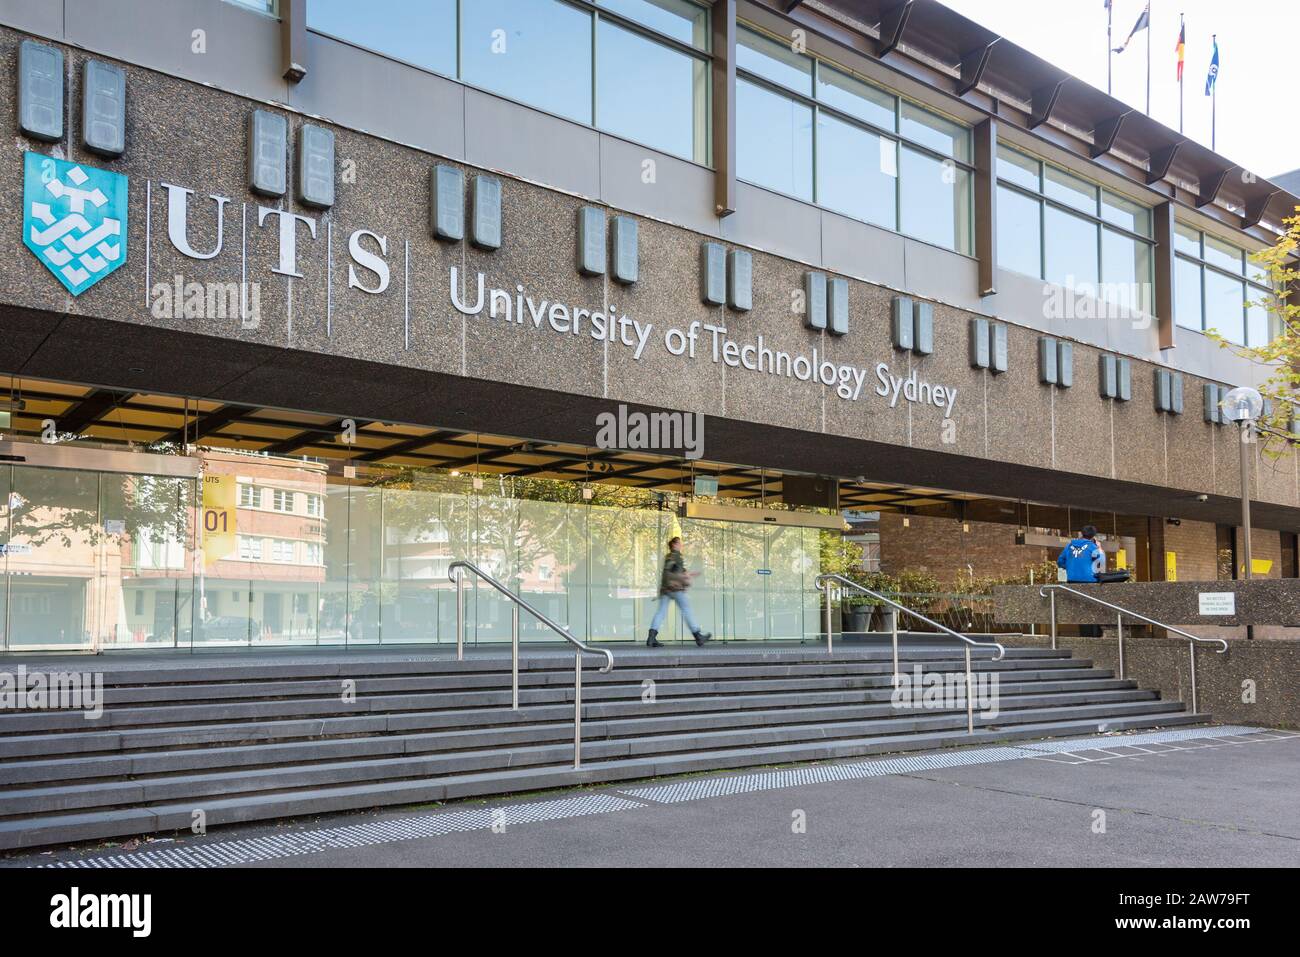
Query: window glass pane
x=679, y=19
x=1071, y=190
x=1019, y=169
x=1225, y=306
x=421, y=32
x=1187, y=240
x=1125, y=271
x=650, y=93
x=543, y=59
x=774, y=61
x=1257, y=273
x=773, y=140
x=1224, y=255
x=936, y=201
x=1070, y=256
x=1187, y=294
x=1019, y=233
x=1257, y=325
x=852, y=96
x=262, y=6
x=944, y=136
x=1125, y=213
x=857, y=172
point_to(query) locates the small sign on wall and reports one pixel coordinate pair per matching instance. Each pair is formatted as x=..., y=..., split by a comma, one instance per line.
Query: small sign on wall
x=1217, y=603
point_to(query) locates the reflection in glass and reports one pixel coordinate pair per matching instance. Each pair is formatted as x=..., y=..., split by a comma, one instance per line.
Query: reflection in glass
x=939, y=134
x=534, y=51
x=1018, y=168
x=1070, y=250
x=680, y=19
x=651, y=93
x=1187, y=294
x=1225, y=306
x=420, y=32
x=857, y=172
x=1064, y=188
x=773, y=140
x=935, y=203
x=1019, y=233
x=850, y=95
x=773, y=61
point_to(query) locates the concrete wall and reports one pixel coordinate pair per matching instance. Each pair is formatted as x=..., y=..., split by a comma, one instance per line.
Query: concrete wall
x=1225, y=682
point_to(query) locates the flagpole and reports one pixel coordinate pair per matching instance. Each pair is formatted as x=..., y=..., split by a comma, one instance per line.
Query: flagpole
x=1214, y=102
x=1182, y=28
x=1148, y=58
x=1110, y=49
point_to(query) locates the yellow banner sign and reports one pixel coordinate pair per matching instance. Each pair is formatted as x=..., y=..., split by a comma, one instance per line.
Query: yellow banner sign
x=218, y=519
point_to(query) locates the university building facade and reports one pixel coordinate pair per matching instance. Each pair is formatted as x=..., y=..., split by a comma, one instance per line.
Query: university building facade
x=304, y=300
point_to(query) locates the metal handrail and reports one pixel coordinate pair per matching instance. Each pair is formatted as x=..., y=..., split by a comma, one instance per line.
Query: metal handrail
x=1049, y=591
x=824, y=581
x=582, y=649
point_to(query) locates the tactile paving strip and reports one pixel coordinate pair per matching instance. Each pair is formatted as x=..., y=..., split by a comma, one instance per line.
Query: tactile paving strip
x=291, y=844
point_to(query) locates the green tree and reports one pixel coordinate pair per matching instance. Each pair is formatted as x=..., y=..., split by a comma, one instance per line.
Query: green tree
x=1282, y=354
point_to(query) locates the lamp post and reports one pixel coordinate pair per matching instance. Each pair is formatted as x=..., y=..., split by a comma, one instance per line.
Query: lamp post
x=1243, y=405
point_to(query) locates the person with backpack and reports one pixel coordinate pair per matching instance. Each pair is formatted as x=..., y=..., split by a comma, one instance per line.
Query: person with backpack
x=1083, y=559
x=673, y=583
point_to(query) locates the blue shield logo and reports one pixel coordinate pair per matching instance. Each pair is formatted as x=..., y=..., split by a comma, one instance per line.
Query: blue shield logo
x=74, y=219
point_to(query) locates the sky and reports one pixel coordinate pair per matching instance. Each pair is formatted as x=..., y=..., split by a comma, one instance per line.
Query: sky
x=1259, y=41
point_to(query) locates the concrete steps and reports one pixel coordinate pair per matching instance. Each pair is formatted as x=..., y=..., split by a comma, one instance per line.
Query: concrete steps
x=245, y=740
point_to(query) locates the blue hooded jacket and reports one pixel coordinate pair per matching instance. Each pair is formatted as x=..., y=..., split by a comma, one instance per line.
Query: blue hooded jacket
x=1082, y=559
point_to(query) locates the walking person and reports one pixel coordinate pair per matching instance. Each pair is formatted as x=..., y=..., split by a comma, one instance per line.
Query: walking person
x=672, y=589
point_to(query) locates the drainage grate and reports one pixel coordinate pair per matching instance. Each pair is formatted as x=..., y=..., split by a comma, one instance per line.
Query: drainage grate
x=273, y=846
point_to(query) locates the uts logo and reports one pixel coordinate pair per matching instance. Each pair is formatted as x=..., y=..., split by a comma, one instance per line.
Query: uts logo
x=74, y=219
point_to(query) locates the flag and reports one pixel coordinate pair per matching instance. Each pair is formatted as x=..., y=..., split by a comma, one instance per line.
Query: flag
x=1181, y=49
x=1214, y=69
x=1143, y=21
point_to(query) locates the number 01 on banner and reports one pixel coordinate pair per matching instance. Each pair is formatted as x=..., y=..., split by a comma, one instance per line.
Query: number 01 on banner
x=218, y=519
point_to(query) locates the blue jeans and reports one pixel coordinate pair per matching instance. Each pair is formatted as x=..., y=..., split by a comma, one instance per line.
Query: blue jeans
x=682, y=602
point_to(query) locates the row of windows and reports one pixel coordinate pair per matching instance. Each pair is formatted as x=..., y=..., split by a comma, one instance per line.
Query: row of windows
x=820, y=134
x=1217, y=287
x=279, y=500
x=805, y=128
x=283, y=551
x=636, y=68
x=1062, y=229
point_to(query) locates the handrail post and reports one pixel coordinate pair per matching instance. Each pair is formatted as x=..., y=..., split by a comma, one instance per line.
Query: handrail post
x=893, y=620
x=828, y=617
x=577, y=712
x=1051, y=595
x=970, y=698
x=514, y=656
x=1191, y=650
x=460, y=616
x=1119, y=629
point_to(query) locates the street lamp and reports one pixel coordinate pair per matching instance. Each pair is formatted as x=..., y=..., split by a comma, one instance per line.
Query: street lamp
x=1244, y=405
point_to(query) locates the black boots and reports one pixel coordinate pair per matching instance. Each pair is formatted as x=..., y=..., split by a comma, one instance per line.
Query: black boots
x=701, y=638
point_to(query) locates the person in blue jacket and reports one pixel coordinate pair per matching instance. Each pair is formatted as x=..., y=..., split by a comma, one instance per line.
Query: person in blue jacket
x=1083, y=559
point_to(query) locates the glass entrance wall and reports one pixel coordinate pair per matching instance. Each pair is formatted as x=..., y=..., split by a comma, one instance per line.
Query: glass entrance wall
x=267, y=552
